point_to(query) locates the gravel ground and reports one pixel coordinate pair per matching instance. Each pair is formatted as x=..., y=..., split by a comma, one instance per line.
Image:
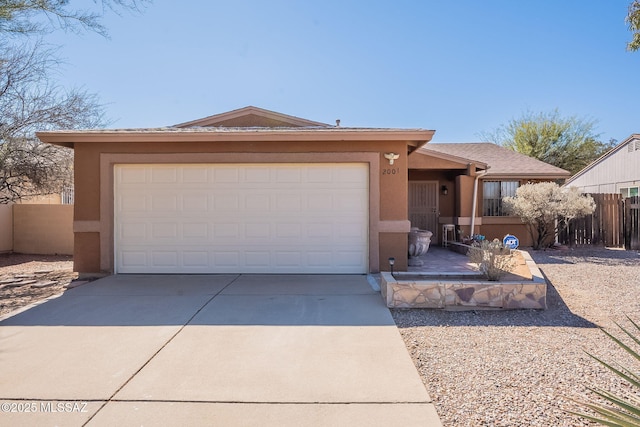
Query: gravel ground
x=527, y=367
x=54, y=271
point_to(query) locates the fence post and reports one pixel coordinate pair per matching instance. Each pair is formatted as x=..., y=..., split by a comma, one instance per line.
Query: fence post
x=632, y=223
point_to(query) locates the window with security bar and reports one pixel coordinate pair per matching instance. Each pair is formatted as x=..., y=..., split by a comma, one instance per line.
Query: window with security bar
x=493, y=192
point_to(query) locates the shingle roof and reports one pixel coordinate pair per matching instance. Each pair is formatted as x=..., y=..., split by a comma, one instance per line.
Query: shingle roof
x=501, y=161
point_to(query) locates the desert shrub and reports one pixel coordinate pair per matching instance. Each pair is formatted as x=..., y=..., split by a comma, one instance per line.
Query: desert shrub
x=494, y=260
x=545, y=207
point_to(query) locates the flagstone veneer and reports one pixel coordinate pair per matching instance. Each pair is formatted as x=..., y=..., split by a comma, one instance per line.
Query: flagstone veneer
x=458, y=293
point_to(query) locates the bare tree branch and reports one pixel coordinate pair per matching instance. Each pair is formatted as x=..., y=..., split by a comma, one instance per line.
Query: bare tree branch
x=27, y=17
x=30, y=101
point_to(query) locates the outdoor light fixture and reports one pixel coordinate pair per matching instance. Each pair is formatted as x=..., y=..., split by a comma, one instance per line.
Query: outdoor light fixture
x=392, y=261
x=444, y=190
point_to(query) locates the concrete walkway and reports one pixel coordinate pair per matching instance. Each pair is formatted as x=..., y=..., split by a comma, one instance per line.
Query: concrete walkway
x=211, y=350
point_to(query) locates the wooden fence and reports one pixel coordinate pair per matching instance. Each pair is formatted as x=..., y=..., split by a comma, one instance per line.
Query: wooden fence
x=614, y=223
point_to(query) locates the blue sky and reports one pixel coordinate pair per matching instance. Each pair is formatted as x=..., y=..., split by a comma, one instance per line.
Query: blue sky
x=460, y=67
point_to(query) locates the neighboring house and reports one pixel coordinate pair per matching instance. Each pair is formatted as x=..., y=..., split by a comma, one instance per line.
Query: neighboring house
x=255, y=191
x=617, y=171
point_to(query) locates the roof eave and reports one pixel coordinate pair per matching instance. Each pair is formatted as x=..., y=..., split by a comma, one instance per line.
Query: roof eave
x=526, y=175
x=70, y=138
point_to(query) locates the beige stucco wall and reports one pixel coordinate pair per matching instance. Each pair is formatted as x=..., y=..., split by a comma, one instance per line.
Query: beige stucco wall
x=43, y=229
x=497, y=227
x=6, y=228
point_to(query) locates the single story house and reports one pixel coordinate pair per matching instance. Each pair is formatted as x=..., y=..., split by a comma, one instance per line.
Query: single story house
x=616, y=171
x=255, y=191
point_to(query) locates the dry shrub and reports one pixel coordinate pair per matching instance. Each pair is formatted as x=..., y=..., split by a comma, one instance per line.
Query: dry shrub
x=493, y=259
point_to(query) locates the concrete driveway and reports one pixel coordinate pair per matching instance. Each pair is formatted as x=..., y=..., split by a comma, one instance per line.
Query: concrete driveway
x=266, y=350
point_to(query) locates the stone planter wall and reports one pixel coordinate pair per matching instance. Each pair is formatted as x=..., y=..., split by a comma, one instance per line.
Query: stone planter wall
x=458, y=293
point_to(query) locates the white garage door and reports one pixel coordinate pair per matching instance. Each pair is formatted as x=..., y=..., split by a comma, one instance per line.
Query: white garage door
x=241, y=218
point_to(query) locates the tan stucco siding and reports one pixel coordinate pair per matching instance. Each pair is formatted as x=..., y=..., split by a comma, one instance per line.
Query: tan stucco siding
x=393, y=245
x=498, y=227
x=86, y=168
x=94, y=184
x=86, y=256
x=43, y=229
x=6, y=227
x=393, y=184
x=464, y=197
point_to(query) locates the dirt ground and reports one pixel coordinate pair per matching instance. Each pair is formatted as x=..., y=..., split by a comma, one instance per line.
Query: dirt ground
x=25, y=279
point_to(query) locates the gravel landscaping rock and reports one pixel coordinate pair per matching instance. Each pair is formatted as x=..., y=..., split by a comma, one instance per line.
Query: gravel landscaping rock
x=526, y=367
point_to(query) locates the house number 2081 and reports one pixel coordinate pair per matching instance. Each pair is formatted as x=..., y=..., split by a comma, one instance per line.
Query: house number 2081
x=393, y=171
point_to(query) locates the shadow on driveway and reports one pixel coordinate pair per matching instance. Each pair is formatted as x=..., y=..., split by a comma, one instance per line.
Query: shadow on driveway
x=170, y=300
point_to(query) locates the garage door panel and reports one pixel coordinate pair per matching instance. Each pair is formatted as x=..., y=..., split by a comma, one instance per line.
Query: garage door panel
x=278, y=218
x=320, y=230
x=287, y=259
x=133, y=259
x=195, y=258
x=164, y=175
x=190, y=234
x=195, y=203
x=195, y=230
x=288, y=203
x=133, y=175
x=164, y=259
x=228, y=258
x=257, y=259
x=133, y=203
x=257, y=202
x=164, y=202
x=226, y=175
x=257, y=175
x=320, y=259
x=350, y=258
x=195, y=175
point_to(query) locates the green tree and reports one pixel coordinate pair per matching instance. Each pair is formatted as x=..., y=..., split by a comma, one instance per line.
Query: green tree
x=633, y=19
x=569, y=143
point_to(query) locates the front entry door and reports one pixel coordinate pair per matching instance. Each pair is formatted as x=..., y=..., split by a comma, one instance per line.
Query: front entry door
x=423, y=206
